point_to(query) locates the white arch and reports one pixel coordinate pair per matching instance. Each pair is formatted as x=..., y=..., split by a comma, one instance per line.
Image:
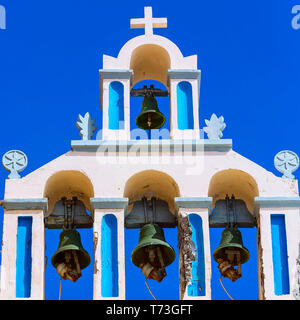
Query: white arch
x=177, y=60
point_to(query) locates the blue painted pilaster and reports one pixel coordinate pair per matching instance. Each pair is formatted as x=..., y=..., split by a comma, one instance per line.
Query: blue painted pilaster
x=109, y=257
x=24, y=257
x=280, y=255
x=116, y=106
x=185, y=114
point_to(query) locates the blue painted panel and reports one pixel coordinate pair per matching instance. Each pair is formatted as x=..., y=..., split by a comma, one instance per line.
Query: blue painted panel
x=109, y=257
x=116, y=106
x=185, y=117
x=197, y=286
x=24, y=257
x=279, y=254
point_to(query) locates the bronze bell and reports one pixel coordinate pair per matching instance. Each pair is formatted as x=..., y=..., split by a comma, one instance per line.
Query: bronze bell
x=231, y=252
x=150, y=116
x=70, y=257
x=153, y=253
x=231, y=239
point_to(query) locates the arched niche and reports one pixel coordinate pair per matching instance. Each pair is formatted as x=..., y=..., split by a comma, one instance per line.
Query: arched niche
x=109, y=256
x=151, y=181
x=233, y=181
x=244, y=187
x=165, y=188
x=123, y=61
x=116, y=106
x=136, y=104
x=68, y=184
x=185, y=114
x=150, y=61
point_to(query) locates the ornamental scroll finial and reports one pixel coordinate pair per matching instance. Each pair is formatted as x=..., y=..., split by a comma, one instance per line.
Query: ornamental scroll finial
x=214, y=128
x=86, y=126
x=286, y=162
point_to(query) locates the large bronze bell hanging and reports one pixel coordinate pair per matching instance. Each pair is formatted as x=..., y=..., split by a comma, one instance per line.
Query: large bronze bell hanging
x=153, y=253
x=70, y=257
x=231, y=252
x=150, y=116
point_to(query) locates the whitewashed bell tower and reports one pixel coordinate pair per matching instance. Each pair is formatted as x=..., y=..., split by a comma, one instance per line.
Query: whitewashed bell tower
x=184, y=178
x=150, y=57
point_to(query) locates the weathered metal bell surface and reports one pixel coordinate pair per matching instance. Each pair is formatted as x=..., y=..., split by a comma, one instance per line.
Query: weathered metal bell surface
x=231, y=238
x=152, y=235
x=70, y=240
x=148, y=211
x=220, y=218
x=150, y=107
x=56, y=220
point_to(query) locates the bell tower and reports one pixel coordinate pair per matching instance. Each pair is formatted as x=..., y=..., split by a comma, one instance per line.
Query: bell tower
x=188, y=183
x=150, y=57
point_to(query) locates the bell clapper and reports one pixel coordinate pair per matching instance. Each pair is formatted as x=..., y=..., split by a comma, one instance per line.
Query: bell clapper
x=231, y=254
x=62, y=269
x=227, y=271
x=149, y=122
x=151, y=269
x=239, y=264
x=226, y=267
x=76, y=262
x=160, y=257
x=67, y=256
x=70, y=269
x=161, y=260
x=152, y=255
x=147, y=269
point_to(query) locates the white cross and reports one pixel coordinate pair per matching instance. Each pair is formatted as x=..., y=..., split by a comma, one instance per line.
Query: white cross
x=148, y=22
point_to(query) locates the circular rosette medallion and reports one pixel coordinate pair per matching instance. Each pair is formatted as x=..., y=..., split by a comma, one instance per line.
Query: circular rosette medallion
x=14, y=161
x=286, y=162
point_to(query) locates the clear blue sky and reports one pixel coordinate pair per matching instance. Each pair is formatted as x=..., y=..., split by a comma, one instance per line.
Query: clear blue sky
x=50, y=55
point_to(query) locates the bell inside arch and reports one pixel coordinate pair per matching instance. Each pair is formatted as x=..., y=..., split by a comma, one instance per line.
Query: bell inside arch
x=150, y=117
x=231, y=213
x=153, y=253
x=70, y=257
